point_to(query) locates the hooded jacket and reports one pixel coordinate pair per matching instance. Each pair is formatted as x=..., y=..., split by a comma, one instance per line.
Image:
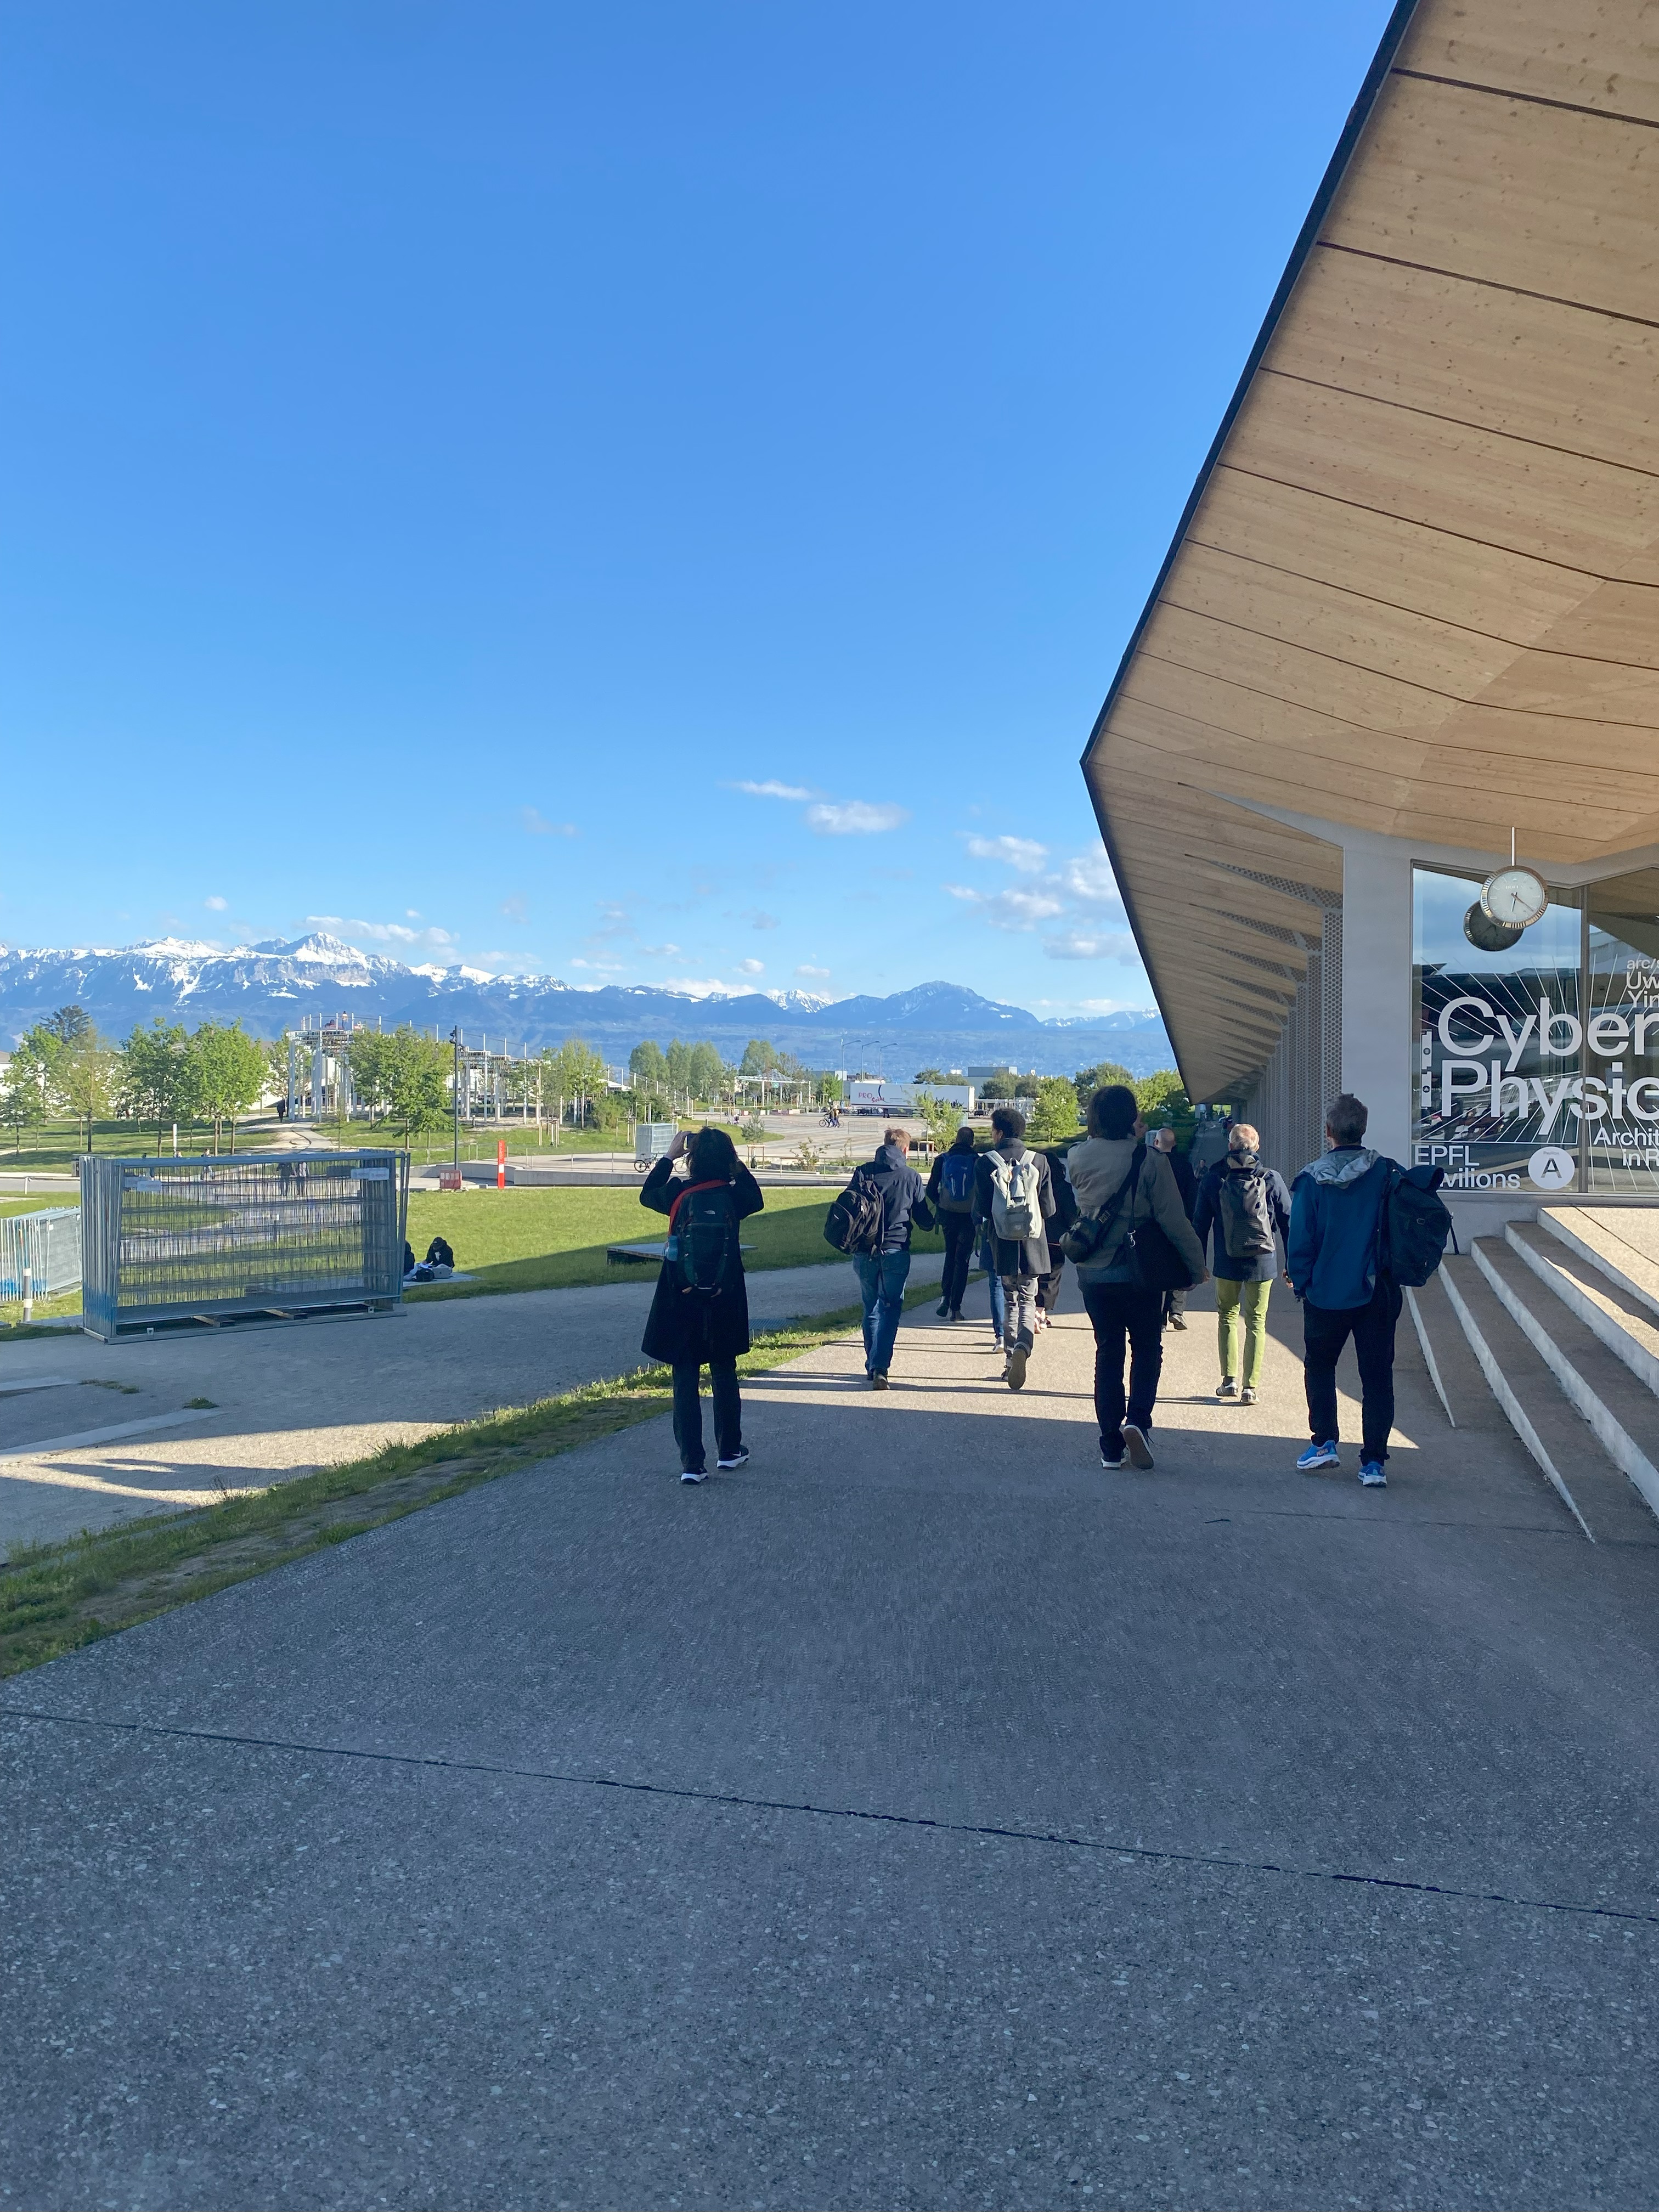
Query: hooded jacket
x=1097, y=1167
x=1336, y=1212
x=1208, y=1214
x=902, y=1199
x=679, y=1328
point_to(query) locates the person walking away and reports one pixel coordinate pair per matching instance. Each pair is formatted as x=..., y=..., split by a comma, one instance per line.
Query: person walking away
x=1164, y=1140
x=1013, y=1195
x=1065, y=1213
x=1333, y=1259
x=883, y=1273
x=951, y=1194
x=1117, y=1179
x=1244, y=1214
x=700, y=1314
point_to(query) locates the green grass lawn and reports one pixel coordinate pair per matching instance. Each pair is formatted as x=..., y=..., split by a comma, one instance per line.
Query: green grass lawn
x=541, y=1240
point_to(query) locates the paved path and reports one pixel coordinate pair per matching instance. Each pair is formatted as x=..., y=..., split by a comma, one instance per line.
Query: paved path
x=920, y=1817
x=290, y=1398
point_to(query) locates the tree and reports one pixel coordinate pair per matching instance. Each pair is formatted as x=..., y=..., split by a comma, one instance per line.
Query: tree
x=1001, y=1083
x=69, y=1024
x=930, y=1075
x=576, y=1073
x=23, y=1101
x=417, y=1070
x=371, y=1053
x=1053, y=1111
x=230, y=1072
x=647, y=1071
x=1164, y=1103
x=678, y=1058
x=1088, y=1080
x=707, y=1075
x=828, y=1088
x=759, y=1058
x=86, y=1078
x=942, y=1119
x=158, y=1076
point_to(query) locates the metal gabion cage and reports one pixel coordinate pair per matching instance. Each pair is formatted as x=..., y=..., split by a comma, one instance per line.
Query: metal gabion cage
x=175, y=1240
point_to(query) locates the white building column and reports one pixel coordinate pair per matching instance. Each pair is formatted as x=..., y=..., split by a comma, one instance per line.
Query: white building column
x=1379, y=1051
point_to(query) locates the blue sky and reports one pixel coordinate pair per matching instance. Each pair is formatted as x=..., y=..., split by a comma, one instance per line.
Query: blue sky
x=645, y=493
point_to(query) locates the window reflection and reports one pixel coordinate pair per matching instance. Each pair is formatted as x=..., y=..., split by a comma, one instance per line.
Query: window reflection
x=1621, y=1109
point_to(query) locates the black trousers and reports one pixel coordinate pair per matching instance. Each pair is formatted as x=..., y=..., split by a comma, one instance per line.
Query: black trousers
x=1120, y=1311
x=958, y=1256
x=688, y=1411
x=1049, y=1284
x=1325, y=1331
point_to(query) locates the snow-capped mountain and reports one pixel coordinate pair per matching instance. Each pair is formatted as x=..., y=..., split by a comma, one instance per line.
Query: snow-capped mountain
x=270, y=987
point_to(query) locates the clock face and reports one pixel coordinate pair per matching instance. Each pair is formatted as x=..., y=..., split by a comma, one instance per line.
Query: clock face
x=1515, y=896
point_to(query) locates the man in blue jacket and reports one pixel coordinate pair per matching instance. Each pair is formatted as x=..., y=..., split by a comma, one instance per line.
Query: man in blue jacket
x=1336, y=1219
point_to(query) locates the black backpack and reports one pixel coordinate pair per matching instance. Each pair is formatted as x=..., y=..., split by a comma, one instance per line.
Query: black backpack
x=1412, y=1231
x=703, y=1237
x=857, y=1221
x=1246, y=1218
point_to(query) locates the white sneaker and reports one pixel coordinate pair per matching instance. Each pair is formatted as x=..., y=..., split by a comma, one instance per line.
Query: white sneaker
x=1227, y=1388
x=694, y=1474
x=738, y=1459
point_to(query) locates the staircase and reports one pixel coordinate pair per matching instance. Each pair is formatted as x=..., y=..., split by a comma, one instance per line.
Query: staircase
x=1562, y=1317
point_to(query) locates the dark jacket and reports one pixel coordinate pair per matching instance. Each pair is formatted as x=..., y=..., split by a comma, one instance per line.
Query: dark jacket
x=1207, y=1215
x=1336, y=1209
x=1015, y=1259
x=1185, y=1182
x=902, y=1198
x=682, y=1325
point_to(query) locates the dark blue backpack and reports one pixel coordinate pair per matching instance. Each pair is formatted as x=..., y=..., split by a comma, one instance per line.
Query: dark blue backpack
x=956, y=1181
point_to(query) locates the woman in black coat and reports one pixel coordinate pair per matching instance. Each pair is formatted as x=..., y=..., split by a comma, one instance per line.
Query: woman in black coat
x=690, y=1327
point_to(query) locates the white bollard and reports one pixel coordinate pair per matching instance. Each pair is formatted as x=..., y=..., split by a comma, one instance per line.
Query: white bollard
x=29, y=1295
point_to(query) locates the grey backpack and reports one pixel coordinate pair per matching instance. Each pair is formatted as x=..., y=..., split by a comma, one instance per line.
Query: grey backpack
x=1247, y=1221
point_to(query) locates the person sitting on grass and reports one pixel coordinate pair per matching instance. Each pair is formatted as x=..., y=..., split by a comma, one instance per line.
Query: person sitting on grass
x=700, y=1314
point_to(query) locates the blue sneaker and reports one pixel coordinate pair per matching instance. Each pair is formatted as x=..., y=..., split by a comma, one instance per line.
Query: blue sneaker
x=1318, y=1455
x=1372, y=1474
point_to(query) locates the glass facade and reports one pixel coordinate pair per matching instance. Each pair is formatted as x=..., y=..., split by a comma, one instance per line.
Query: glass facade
x=1538, y=1067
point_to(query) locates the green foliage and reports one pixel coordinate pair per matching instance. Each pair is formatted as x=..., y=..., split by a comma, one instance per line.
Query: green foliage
x=708, y=1076
x=71, y=1025
x=1088, y=1080
x=829, y=1089
x=414, y=1072
x=930, y=1075
x=1001, y=1083
x=649, y=1072
x=159, y=1079
x=1164, y=1103
x=1054, y=1116
x=576, y=1076
x=230, y=1074
x=942, y=1120
x=759, y=1058
x=23, y=1101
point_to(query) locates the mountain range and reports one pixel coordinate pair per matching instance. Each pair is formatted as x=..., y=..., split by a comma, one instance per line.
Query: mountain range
x=271, y=986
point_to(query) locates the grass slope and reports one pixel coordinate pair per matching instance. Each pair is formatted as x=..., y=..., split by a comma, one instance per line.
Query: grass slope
x=538, y=1239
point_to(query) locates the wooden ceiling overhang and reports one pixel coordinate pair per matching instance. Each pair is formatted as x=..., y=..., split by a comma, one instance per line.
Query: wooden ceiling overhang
x=1416, y=588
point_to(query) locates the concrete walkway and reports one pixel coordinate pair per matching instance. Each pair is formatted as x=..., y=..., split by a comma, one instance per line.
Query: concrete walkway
x=919, y=1817
x=115, y=1435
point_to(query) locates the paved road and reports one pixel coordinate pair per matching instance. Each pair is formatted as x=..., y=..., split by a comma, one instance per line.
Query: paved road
x=290, y=1398
x=920, y=1817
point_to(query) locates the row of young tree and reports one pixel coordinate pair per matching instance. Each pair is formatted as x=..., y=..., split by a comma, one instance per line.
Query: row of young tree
x=1058, y=1102
x=162, y=1074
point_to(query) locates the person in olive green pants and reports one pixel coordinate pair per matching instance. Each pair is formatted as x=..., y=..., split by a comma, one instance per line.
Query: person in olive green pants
x=1249, y=1208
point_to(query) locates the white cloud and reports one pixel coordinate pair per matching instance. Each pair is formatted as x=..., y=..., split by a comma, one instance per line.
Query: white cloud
x=823, y=974
x=215, y=905
x=762, y=922
x=538, y=826
x=854, y=817
x=660, y=951
x=1082, y=944
x=383, y=933
x=772, y=790
x=515, y=909
x=1011, y=909
x=1089, y=877
x=751, y=967
x=1022, y=852
x=696, y=987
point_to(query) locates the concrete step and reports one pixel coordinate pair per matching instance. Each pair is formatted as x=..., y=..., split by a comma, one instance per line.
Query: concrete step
x=1622, y=1321
x=1621, y=1412
x=1573, y=1460
x=1614, y=1240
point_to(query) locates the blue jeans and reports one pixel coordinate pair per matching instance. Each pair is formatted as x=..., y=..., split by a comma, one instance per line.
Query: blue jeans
x=882, y=1277
x=987, y=1260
